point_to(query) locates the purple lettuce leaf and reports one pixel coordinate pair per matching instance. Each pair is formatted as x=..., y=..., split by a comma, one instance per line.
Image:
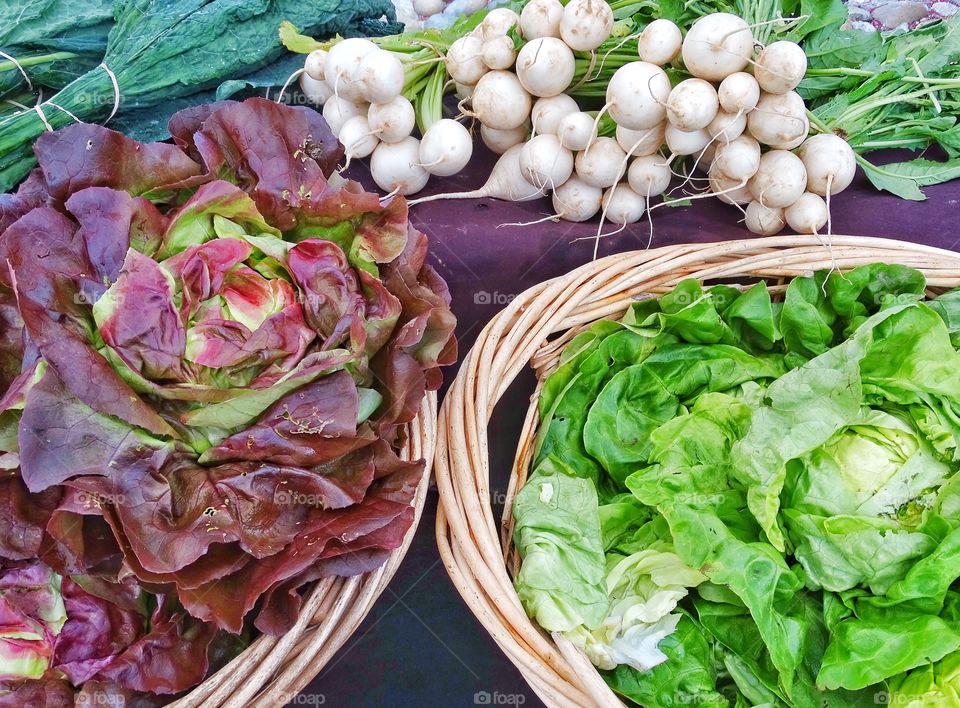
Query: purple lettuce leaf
x=78, y=540
x=39, y=693
x=23, y=517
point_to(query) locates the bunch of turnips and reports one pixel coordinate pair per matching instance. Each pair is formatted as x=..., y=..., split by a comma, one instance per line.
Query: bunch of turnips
x=713, y=100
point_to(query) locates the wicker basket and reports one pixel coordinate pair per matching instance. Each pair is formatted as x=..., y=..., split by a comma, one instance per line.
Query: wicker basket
x=478, y=553
x=273, y=669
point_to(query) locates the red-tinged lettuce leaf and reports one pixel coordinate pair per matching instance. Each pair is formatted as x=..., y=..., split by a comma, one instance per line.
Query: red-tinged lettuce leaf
x=60, y=437
x=78, y=540
x=138, y=319
x=112, y=221
x=315, y=424
x=23, y=517
x=278, y=154
x=86, y=155
x=95, y=632
x=11, y=338
x=402, y=380
x=39, y=693
x=381, y=521
x=183, y=124
x=195, y=222
x=171, y=657
x=103, y=693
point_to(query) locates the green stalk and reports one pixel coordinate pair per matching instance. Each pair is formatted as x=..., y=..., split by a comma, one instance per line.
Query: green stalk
x=429, y=104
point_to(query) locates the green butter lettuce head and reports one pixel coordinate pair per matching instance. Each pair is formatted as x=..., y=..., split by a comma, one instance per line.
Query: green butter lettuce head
x=931, y=686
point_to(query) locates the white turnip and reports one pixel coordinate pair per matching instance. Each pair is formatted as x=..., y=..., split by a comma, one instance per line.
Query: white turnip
x=780, y=179
x=717, y=45
x=541, y=18
x=779, y=120
x=391, y=121
x=445, y=148
x=830, y=163
x=780, y=67
x=764, y=220
x=692, y=104
x=575, y=200
x=544, y=162
x=641, y=142
x=500, y=101
x=636, y=95
x=395, y=167
x=739, y=93
x=586, y=24
x=807, y=215
x=600, y=164
x=499, y=141
x=577, y=131
x=548, y=112
x=465, y=60
x=505, y=182
x=545, y=66
x=660, y=42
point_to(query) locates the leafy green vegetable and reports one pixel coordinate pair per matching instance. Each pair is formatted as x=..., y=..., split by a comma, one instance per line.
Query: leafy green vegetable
x=775, y=482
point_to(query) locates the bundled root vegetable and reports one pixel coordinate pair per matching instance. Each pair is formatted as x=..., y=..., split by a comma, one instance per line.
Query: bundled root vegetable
x=714, y=97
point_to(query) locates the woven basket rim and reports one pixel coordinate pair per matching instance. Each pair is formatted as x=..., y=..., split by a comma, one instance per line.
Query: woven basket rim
x=531, y=331
x=272, y=670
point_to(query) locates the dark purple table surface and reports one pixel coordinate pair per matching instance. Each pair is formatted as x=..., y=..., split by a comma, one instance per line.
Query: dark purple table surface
x=421, y=646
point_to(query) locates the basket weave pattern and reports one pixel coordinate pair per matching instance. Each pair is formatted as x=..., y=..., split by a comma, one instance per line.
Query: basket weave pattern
x=532, y=331
x=273, y=669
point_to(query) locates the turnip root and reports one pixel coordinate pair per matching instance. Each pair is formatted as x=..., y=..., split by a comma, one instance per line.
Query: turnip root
x=764, y=220
x=636, y=95
x=545, y=66
x=728, y=191
x=499, y=141
x=380, y=76
x=779, y=120
x=505, y=182
x=463, y=91
x=575, y=200
x=465, y=60
x=586, y=24
x=541, y=18
x=548, y=112
x=780, y=179
x=500, y=101
x=727, y=126
x=682, y=142
x=641, y=142
x=356, y=137
x=318, y=92
x=716, y=46
x=830, y=163
x=649, y=175
x=428, y=8
x=692, y=104
x=343, y=63
x=738, y=93
x=780, y=67
x=807, y=215
x=622, y=205
x=338, y=110
x=498, y=22
x=498, y=53
x=445, y=148
x=395, y=167
x=544, y=162
x=391, y=121
x=315, y=64
x=600, y=164
x=739, y=159
x=660, y=42
x=577, y=131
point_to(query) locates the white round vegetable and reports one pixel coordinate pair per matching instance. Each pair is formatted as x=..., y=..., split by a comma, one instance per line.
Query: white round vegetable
x=780, y=179
x=445, y=148
x=586, y=24
x=764, y=220
x=380, y=76
x=780, y=67
x=779, y=120
x=498, y=22
x=576, y=131
x=692, y=104
x=499, y=141
x=392, y=121
x=544, y=162
x=395, y=166
x=622, y=205
x=738, y=93
x=541, y=18
x=728, y=191
x=636, y=95
x=500, y=101
x=317, y=92
x=356, y=138
x=315, y=63
x=808, y=214
x=739, y=159
x=575, y=200
x=343, y=63
x=649, y=175
x=545, y=66
x=717, y=45
x=498, y=52
x=465, y=60
x=601, y=163
x=727, y=126
x=704, y=159
x=505, y=182
x=428, y=8
x=660, y=42
x=548, y=112
x=828, y=159
x=682, y=142
x=338, y=110
x=641, y=142
x=463, y=90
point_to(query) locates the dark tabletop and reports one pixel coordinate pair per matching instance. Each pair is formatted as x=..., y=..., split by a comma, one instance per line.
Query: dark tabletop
x=420, y=645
